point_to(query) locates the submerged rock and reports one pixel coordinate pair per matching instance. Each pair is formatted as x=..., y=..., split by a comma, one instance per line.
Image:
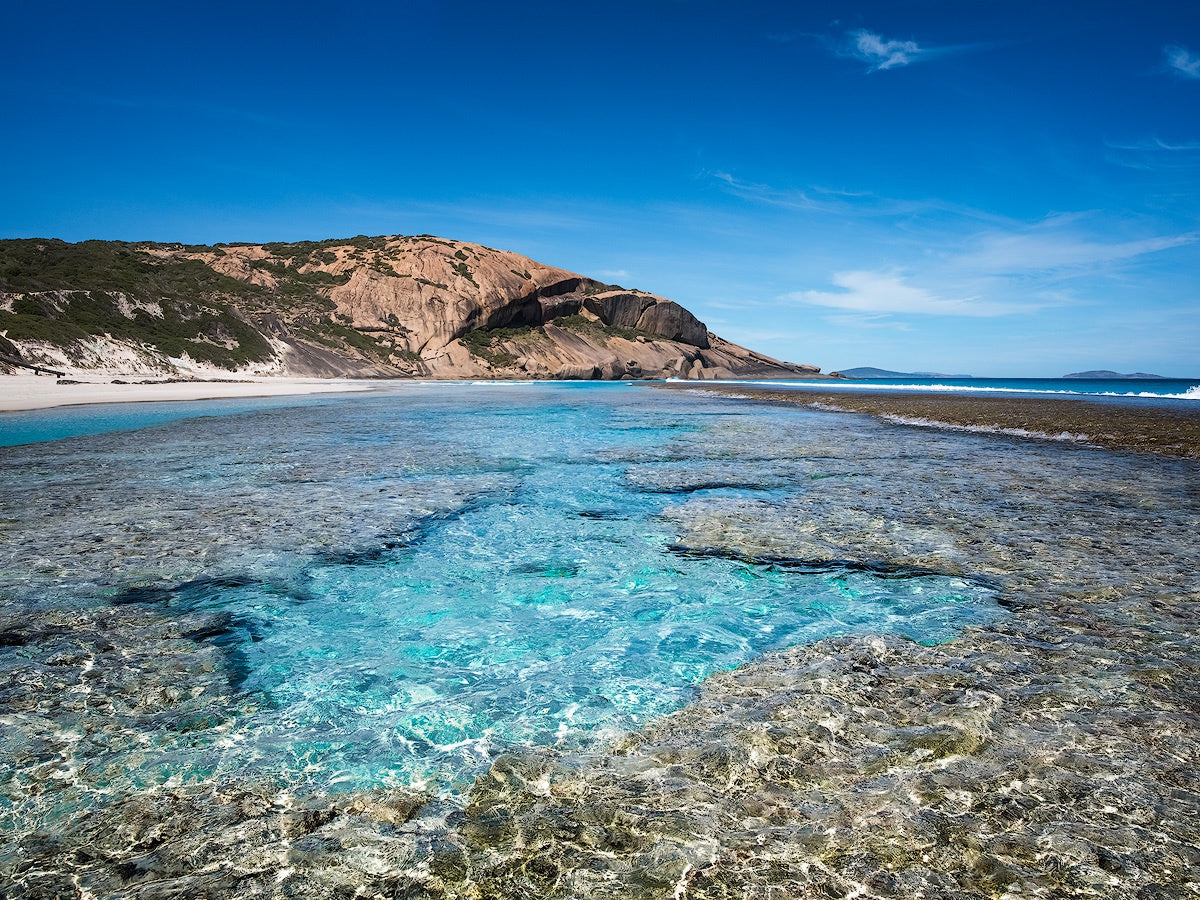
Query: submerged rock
x=1052, y=752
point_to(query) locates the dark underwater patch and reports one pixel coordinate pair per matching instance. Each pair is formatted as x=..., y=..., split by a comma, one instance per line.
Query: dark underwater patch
x=811, y=566
x=160, y=593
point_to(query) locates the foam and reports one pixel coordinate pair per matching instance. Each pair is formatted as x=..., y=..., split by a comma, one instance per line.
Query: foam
x=984, y=429
x=1192, y=393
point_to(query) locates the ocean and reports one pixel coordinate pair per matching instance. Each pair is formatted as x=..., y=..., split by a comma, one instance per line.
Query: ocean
x=479, y=608
x=1115, y=389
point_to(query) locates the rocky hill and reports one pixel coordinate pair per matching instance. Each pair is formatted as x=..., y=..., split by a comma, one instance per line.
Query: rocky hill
x=359, y=307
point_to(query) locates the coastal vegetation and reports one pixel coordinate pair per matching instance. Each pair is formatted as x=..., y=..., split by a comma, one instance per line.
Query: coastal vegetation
x=52, y=265
x=484, y=343
x=585, y=325
x=360, y=306
x=65, y=293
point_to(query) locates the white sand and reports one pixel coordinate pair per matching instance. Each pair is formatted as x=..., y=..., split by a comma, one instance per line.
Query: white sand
x=43, y=391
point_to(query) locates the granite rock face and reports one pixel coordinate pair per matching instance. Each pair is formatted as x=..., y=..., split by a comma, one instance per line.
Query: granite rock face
x=368, y=307
x=647, y=313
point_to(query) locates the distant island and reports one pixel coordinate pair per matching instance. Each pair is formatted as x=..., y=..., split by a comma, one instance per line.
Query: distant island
x=871, y=372
x=1106, y=374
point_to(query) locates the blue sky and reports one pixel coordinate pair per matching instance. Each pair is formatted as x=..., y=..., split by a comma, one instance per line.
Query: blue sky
x=995, y=188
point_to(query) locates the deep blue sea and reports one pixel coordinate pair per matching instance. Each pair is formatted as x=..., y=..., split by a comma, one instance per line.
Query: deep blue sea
x=399, y=586
x=1115, y=389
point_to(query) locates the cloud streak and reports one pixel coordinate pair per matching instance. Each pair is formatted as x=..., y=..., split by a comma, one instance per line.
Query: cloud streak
x=1156, y=145
x=997, y=272
x=863, y=321
x=1050, y=249
x=880, y=54
x=1154, y=153
x=851, y=204
x=890, y=292
x=1182, y=61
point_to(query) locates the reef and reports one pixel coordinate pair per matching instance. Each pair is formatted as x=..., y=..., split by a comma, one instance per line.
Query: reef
x=1054, y=752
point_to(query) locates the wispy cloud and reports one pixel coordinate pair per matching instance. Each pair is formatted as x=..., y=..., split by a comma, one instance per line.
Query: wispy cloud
x=808, y=199
x=1155, y=145
x=818, y=199
x=995, y=272
x=1056, y=247
x=1154, y=153
x=738, y=305
x=1182, y=61
x=880, y=53
x=890, y=292
x=859, y=321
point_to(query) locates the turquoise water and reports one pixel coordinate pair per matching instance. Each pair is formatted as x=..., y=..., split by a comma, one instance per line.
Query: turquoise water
x=1129, y=389
x=32, y=426
x=394, y=589
x=65, y=422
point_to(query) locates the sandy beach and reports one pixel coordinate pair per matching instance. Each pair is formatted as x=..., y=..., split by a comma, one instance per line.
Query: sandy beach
x=1166, y=430
x=25, y=392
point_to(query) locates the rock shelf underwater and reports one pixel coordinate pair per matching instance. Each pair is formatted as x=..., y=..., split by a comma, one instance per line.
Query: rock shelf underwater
x=875, y=660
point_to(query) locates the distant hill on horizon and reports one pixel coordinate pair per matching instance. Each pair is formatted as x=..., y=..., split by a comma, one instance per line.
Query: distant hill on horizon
x=872, y=372
x=1105, y=373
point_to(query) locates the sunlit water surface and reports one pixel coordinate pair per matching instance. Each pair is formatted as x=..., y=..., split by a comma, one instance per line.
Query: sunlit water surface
x=397, y=588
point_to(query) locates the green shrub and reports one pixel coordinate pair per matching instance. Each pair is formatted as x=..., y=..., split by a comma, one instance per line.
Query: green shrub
x=482, y=342
x=21, y=327
x=584, y=325
x=460, y=269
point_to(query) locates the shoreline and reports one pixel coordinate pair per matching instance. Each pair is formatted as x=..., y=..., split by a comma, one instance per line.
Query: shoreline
x=26, y=393
x=1172, y=431
x=1160, y=430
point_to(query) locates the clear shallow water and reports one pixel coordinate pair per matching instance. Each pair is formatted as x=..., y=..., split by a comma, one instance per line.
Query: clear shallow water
x=65, y=422
x=176, y=720
x=392, y=590
x=513, y=628
x=59, y=423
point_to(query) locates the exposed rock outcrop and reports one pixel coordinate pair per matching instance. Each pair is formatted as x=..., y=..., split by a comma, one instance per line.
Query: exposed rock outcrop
x=9, y=355
x=368, y=307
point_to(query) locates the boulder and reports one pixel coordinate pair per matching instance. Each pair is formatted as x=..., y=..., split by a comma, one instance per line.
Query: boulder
x=670, y=320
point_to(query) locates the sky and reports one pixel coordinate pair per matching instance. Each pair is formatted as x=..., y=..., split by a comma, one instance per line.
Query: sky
x=993, y=188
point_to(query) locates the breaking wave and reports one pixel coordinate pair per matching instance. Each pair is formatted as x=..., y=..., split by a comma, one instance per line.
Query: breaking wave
x=1191, y=393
